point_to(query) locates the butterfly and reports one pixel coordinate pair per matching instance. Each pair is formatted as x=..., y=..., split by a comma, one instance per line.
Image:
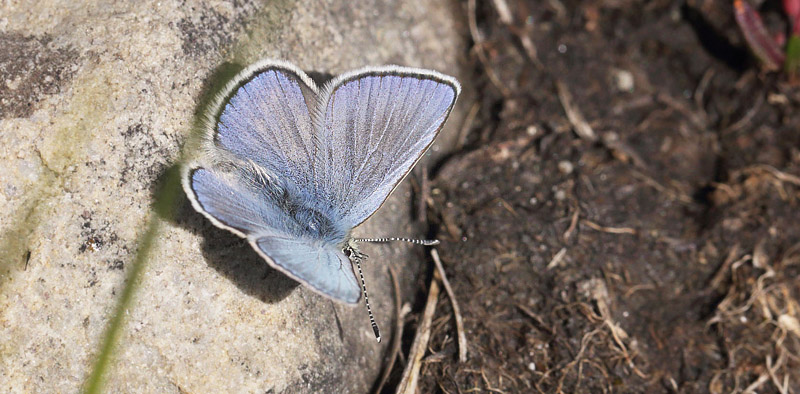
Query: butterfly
x=293, y=167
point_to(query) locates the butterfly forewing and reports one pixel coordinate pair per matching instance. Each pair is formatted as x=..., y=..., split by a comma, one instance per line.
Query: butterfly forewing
x=376, y=125
x=267, y=121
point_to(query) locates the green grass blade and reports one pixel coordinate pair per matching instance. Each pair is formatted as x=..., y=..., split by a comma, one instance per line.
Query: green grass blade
x=165, y=208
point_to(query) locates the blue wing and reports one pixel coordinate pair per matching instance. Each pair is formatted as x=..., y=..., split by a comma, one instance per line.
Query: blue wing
x=299, y=242
x=344, y=149
x=374, y=126
x=228, y=201
x=322, y=266
x=294, y=170
x=266, y=120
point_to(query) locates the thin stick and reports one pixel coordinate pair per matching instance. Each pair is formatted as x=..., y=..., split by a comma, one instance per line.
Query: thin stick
x=478, y=40
x=408, y=384
x=781, y=176
x=557, y=258
x=748, y=116
x=396, y=336
x=676, y=194
x=462, y=338
x=503, y=11
x=763, y=378
x=573, y=223
x=467, y=125
x=699, y=93
x=424, y=196
x=610, y=230
x=724, y=269
x=574, y=115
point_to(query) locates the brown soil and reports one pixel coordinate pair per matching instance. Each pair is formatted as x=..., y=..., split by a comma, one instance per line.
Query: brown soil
x=659, y=254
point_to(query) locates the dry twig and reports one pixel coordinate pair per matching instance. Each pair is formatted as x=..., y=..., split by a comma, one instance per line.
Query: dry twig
x=467, y=125
x=572, y=224
x=723, y=270
x=575, y=116
x=504, y=11
x=462, y=338
x=424, y=196
x=557, y=259
x=783, y=388
x=398, y=333
x=408, y=383
x=751, y=389
x=748, y=116
x=536, y=318
x=610, y=230
x=700, y=92
x=478, y=40
x=671, y=192
x=779, y=175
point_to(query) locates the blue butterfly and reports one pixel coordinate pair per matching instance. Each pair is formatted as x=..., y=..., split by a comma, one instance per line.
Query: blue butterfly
x=293, y=168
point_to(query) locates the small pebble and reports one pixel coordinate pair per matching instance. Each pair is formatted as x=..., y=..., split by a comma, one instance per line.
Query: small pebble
x=624, y=80
x=565, y=167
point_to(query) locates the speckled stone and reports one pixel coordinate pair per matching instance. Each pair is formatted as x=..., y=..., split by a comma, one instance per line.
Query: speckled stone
x=96, y=101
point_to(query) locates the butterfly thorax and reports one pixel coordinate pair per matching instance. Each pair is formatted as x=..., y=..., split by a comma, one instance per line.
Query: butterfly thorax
x=305, y=219
x=318, y=225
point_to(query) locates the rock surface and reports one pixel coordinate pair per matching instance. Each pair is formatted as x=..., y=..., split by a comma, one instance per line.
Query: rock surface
x=96, y=101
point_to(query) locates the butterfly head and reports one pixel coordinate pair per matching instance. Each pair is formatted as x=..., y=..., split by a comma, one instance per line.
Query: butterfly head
x=352, y=251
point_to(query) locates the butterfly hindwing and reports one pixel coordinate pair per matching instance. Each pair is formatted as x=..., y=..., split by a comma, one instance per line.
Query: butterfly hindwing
x=320, y=265
x=232, y=202
x=242, y=202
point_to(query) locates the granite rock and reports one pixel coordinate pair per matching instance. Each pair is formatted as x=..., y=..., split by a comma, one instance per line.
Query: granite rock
x=96, y=102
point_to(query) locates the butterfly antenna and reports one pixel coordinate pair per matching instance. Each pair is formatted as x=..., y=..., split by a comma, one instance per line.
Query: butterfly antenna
x=424, y=242
x=375, y=329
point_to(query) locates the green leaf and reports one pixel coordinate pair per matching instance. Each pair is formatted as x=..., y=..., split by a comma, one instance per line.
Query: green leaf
x=792, y=64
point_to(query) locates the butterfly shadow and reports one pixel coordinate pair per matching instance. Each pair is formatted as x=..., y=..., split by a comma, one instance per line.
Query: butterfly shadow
x=227, y=253
x=232, y=256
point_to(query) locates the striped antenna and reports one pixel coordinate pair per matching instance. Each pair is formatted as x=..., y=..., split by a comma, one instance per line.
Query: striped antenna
x=357, y=259
x=424, y=242
x=356, y=256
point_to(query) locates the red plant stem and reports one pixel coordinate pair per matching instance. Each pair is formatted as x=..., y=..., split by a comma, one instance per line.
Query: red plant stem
x=762, y=45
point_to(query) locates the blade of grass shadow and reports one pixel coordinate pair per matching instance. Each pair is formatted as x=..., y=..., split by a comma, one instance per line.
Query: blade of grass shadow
x=95, y=380
x=164, y=208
